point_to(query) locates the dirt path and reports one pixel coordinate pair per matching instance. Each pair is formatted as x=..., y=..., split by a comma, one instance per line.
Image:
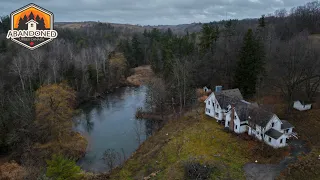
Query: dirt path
x=256, y=171
x=141, y=75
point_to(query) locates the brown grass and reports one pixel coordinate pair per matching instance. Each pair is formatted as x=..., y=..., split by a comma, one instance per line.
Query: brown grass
x=12, y=171
x=142, y=75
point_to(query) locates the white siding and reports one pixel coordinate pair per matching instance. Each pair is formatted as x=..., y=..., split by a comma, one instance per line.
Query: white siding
x=213, y=108
x=285, y=131
x=276, y=143
x=297, y=105
x=276, y=124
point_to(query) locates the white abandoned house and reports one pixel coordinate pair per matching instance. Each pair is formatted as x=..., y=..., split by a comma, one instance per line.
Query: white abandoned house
x=240, y=116
x=32, y=25
x=302, y=105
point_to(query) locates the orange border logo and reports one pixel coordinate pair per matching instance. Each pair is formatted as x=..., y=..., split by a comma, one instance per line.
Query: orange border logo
x=32, y=26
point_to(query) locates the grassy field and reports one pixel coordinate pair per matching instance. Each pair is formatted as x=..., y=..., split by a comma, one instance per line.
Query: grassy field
x=194, y=138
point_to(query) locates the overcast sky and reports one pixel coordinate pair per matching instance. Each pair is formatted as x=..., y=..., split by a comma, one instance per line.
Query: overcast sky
x=153, y=12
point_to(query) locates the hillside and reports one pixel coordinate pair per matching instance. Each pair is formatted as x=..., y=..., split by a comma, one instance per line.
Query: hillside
x=181, y=28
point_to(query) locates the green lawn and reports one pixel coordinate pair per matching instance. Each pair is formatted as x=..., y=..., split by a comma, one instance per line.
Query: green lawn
x=192, y=136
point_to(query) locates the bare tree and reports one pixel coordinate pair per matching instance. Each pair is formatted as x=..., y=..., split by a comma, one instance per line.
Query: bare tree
x=138, y=129
x=292, y=67
x=111, y=158
x=17, y=67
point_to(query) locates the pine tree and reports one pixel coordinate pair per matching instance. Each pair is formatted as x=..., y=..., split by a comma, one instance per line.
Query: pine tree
x=31, y=16
x=250, y=65
x=262, y=22
x=21, y=24
x=25, y=19
x=41, y=24
x=137, y=52
x=4, y=24
x=209, y=35
x=61, y=168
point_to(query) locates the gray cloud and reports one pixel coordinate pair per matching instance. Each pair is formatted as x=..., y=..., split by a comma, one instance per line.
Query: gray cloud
x=154, y=12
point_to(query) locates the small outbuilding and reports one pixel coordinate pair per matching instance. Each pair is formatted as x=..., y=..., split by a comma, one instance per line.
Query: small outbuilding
x=302, y=105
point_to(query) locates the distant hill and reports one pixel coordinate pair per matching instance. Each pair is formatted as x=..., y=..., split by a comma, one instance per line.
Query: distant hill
x=181, y=28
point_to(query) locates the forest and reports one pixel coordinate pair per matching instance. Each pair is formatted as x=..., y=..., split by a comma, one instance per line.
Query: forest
x=276, y=53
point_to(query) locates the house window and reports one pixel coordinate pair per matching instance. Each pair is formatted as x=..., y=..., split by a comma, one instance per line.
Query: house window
x=280, y=141
x=212, y=104
x=236, y=126
x=235, y=117
x=209, y=110
x=272, y=124
x=287, y=131
x=228, y=123
x=269, y=139
x=209, y=102
x=31, y=25
x=217, y=114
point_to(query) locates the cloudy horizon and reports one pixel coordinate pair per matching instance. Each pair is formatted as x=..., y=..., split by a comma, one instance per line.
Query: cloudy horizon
x=157, y=12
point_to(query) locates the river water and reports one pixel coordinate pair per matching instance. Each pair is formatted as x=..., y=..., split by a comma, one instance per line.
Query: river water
x=111, y=124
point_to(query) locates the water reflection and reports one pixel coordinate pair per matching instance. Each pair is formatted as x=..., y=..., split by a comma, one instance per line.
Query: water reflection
x=112, y=126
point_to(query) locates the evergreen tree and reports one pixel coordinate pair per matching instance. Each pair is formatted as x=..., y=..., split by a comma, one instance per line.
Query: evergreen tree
x=3, y=46
x=4, y=24
x=209, y=35
x=31, y=16
x=61, y=168
x=24, y=25
x=21, y=24
x=250, y=65
x=155, y=61
x=262, y=22
x=41, y=24
x=137, y=52
x=145, y=33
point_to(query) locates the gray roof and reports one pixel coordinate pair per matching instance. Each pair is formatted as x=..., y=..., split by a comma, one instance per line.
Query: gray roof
x=224, y=101
x=228, y=97
x=274, y=133
x=241, y=108
x=305, y=102
x=233, y=93
x=285, y=124
x=258, y=116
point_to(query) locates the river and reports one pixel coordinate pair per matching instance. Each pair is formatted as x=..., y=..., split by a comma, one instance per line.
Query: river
x=111, y=124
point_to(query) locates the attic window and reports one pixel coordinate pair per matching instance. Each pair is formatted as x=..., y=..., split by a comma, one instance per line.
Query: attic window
x=31, y=25
x=272, y=124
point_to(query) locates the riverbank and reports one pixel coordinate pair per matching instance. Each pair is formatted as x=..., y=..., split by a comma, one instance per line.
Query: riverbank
x=141, y=75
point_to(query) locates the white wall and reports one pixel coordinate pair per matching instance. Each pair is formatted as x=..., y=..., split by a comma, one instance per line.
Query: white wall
x=276, y=142
x=277, y=124
x=237, y=124
x=297, y=105
x=214, y=111
x=284, y=131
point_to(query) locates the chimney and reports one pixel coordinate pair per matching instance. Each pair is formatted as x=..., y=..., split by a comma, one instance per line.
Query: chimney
x=231, y=126
x=218, y=89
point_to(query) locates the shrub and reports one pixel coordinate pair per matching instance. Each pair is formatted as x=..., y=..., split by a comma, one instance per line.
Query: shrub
x=196, y=170
x=61, y=168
